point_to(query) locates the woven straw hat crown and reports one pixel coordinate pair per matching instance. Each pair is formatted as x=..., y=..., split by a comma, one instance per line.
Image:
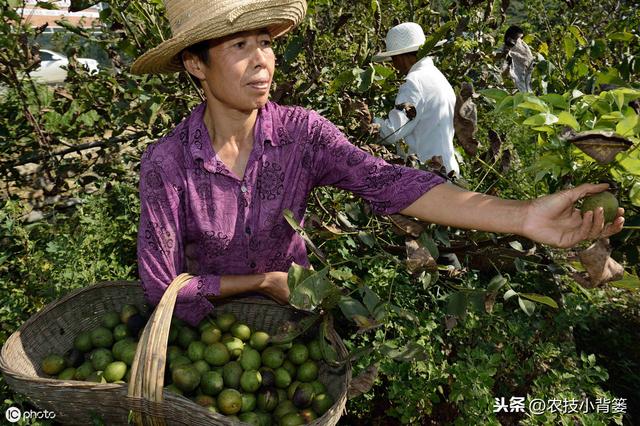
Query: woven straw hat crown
x=404, y=38
x=193, y=21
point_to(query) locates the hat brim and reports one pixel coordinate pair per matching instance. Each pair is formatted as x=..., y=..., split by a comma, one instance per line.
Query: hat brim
x=165, y=58
x=385, y=56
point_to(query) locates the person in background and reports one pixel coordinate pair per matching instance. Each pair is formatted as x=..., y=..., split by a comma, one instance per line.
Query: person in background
x=424, y=106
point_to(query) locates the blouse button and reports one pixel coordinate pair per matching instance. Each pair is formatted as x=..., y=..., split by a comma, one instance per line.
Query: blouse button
x=253, y=264
x=243, y=188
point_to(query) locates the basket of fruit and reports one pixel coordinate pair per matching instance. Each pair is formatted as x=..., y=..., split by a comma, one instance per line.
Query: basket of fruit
x=96, y=354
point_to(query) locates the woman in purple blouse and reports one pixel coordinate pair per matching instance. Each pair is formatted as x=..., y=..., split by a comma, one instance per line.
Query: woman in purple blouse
x=214, y=189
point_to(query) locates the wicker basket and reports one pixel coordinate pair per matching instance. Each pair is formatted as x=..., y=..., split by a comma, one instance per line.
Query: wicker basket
x=75, y=402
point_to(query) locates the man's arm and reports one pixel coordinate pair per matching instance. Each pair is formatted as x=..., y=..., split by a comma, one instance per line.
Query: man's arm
x=398, y=125
x=551, y=219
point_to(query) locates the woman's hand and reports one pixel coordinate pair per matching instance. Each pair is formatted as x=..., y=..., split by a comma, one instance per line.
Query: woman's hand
x=554, y=220
x=275, y=286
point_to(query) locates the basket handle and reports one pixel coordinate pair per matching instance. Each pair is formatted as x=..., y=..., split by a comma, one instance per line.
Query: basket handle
x=147, y=369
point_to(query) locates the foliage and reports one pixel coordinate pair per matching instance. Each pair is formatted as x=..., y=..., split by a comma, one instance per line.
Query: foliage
x=446, y=340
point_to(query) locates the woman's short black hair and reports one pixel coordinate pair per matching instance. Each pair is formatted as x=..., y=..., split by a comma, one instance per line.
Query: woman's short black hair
x=201, y=50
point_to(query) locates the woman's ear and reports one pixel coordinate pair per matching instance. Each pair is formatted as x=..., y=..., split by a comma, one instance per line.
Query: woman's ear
x=193, y=65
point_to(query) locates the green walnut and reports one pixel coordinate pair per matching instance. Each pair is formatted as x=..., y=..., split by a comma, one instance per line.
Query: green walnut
x=606, y=200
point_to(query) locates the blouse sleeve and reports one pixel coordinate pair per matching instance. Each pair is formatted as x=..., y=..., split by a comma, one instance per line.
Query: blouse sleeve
x=389, y=188
x=160, y=241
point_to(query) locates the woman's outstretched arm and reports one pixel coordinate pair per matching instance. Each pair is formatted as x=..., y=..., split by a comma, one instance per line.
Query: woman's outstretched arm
x=551, y=219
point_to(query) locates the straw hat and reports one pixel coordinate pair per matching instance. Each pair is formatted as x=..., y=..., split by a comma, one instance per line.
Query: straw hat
x=404, y=38
x=193, y=21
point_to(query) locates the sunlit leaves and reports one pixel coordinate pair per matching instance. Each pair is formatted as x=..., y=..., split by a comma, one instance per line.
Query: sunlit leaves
x=566, y=118
x=527, y=306
x=540, y=299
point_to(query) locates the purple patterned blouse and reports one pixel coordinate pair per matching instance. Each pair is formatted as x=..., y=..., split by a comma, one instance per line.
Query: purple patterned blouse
x=198, y=217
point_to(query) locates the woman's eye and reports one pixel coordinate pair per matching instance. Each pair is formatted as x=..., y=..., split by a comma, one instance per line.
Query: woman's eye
x=266, y=43
x=240, y=44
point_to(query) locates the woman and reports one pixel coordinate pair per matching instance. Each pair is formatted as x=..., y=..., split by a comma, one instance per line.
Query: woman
x=214, y=189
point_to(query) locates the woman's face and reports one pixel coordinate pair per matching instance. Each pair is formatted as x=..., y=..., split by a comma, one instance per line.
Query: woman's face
x=240, y=70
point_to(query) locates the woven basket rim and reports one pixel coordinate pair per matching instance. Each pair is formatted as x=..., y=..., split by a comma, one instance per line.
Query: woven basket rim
x=5, y=368
x=14, y=343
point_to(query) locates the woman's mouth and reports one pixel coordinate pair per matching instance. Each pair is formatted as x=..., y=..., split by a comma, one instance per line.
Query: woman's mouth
x=260, y=84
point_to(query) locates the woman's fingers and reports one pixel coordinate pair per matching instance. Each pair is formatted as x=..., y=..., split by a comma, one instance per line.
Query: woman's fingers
x=585, y=189
x=615, y=226
x=598, y=228
x=597, y=224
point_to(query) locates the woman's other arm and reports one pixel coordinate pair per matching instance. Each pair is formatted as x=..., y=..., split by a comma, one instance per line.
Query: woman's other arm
x=272, y=284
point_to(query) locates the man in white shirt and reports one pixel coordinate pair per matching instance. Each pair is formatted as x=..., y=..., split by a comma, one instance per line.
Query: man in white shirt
x=423, y=116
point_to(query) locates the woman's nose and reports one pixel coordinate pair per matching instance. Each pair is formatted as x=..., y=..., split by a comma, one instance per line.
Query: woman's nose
x=260, y=56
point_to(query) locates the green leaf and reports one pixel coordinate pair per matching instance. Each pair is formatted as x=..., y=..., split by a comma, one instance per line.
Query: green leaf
x=360, y=352
x=366, y=238
x=578, y=35
x=375, y=6
x=621, y=36
x=558, y=101
x=544, y=118
x=534, y=104
x=506, y=103
x=293, y=49
x=569, y=46
x=457, y=304
x=308, y=294
x=328, y=352
x=435, y=37
x=404, y=313
x=430, y=244
x=598, y=48
x=494, y=94
x=341, y=274
x=370, y=298
x=288, y=215
x=297, y=274
x=427, y=279
x=408, y=353
x=627, y=125
x=509, y=294
x=78, y=5
x=47, y=5
x=634, y=194
x=344, y=79
x=527, y=306
x=545, y=129
x=383, y=72
x=540, y=299
x=628, y=281
x=476, y=300
x=496, y=283
x=366, y=79
x=612, y=116
x=300, y=328
x=350, y=307
x=566, y=118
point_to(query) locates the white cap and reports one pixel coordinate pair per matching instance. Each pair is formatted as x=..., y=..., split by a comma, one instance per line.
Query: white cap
x=404, y=38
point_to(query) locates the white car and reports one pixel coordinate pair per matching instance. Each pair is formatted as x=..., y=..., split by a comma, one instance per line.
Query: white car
x=51, y=67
